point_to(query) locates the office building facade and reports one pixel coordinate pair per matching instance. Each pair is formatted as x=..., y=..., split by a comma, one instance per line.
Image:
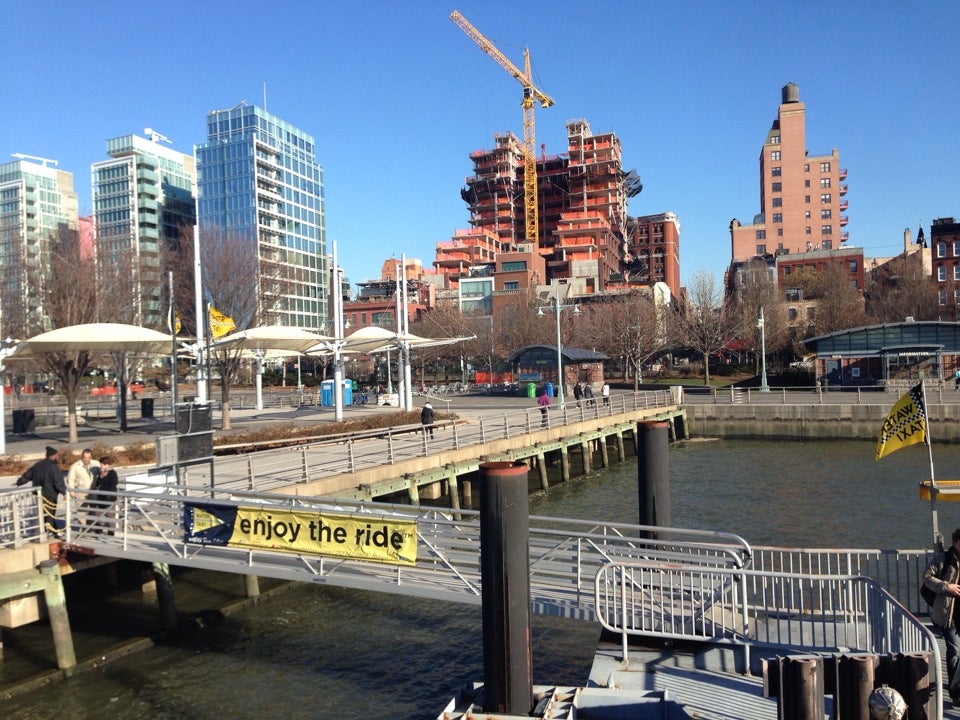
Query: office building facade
x=38, y=210
x=260, y=187
x=144, y=206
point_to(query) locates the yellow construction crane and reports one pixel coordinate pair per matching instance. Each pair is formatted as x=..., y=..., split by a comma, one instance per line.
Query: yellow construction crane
x=530, y=93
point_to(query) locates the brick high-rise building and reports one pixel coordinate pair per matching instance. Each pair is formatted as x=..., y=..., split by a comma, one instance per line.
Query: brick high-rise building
x=801, y=195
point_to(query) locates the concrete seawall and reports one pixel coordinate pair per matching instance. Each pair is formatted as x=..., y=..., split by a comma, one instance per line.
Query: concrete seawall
x=808, y=422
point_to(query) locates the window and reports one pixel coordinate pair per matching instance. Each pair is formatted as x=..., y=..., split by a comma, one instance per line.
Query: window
x=777, y=187
x=514, y=266
x=853, y=267
x=826, y=229
x=778, y=202
x=808, y=232
x=806, y=167
x=941, y=249
x=778, y=217
x=774, y=139
x=956, y=296
x=775, y=171
x=786, y=270
x=824, y=182
x=956, y=272
x=806, y=198
x=811, y=313
x=780, y=233
x=827, y=244
x=942, y=273
x=792, y=314
x=956, y=248
x=826, y=214
x=807, y=214
x=761, y=249
x=775, y=155
x=825, y=199
x=511, y=285
x=761, y=234
x=943, y=297
x=806, y=183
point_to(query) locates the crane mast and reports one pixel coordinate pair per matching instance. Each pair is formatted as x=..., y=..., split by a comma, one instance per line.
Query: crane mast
x=531, y=95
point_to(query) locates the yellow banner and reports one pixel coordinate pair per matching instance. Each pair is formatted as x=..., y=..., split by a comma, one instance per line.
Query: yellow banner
x=220, y=324
x=905, y=424
x=374, y=538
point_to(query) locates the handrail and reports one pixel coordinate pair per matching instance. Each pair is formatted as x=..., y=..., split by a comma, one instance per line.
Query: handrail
x=21, y=517
x=742, y=607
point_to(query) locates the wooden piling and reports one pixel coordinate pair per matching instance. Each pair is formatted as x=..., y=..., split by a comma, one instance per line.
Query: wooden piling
x=542, y=471
x=56, y=600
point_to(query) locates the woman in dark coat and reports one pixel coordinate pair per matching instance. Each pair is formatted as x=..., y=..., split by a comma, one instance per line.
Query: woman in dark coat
x=102, y=498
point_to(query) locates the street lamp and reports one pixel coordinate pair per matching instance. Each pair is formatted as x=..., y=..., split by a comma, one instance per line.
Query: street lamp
x=9, y=347
x=557, y=307
x=764, y=388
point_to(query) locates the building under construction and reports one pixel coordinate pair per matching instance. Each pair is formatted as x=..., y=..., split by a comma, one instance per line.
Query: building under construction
x=586, y=236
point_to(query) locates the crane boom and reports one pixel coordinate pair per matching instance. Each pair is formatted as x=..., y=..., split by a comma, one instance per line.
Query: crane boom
x=530, y=94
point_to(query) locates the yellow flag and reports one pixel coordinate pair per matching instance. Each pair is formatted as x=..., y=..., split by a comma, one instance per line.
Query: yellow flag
x=220, y=324
x=175, y=326
x=905, y=424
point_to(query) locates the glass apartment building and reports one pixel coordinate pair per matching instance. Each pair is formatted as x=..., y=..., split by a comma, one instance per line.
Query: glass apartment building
x=144, y=205
x=259, y=182
x=38, y=208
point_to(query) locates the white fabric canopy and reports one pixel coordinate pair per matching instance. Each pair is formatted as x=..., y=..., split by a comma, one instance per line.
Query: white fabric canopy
x=271, y=337
x=377, y=339
x=97, y=337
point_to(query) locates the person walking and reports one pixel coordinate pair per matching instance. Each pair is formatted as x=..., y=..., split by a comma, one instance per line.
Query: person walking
x=578, y=393
x=47, y=475
x=543, y=402
x=426, y=419
x=82, y=473
x=588, y=395
x=943, y=577
x=605, y=393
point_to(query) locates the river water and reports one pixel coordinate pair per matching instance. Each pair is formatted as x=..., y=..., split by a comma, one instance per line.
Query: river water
x=314, y=652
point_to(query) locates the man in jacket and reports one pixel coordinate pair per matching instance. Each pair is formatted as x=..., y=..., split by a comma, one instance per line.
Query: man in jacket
x=426, y=419
x=943, y=577
x=48, y=476
x=82, y=473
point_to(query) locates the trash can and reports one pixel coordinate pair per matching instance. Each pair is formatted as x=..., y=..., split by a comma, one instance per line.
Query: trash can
x=326, y=393
x=548, y=388
x=531, y=390
x=24, y=421
x=146, y=407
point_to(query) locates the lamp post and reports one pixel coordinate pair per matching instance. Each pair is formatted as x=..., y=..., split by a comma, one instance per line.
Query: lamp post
x=557, y=307
x=764, y=388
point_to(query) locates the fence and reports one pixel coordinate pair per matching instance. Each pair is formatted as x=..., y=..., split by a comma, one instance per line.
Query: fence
x=741, y=607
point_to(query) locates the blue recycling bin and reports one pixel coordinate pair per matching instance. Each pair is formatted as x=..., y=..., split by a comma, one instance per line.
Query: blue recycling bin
x=326, y=393
x=347, y=392
x=549, y=389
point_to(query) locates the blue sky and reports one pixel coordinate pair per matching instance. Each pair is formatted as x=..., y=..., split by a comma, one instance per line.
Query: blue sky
x=397, y=97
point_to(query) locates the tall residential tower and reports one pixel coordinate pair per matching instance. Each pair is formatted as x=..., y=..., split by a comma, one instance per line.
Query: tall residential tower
x=38, y=209
x=260, y=185
x=801, y=195
x=144, y=205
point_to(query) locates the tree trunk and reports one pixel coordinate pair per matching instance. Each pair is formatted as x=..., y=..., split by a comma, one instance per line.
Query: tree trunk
x=225, y=407
x=706, y=369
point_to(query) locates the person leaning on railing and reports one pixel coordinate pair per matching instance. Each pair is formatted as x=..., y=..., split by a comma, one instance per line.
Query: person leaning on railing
x=47, y=475
x=942, y=576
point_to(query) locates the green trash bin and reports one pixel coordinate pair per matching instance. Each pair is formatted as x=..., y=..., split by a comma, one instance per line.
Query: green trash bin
x=531, y=390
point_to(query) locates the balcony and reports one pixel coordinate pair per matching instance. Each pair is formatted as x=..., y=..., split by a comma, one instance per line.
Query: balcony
x=843, y=190
x=844, y=220
x=843, y=205
x=844, y=237
x=843, y=173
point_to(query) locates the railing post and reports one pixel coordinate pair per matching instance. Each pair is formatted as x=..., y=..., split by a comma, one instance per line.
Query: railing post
x=456, y=437
x=390, y=445
x=506, y=427
x=306, y=469
x=483, y=432
x=250, y=481
x=351, y=463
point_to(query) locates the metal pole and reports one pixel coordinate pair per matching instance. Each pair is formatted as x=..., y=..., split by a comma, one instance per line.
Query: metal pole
x=201, y=323
x=173, y=351
x=559, y=355
x=338, y=340
x=405, y=327
x=764, y=388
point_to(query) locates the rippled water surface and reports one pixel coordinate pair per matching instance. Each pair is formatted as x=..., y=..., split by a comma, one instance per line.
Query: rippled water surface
x=316, y=652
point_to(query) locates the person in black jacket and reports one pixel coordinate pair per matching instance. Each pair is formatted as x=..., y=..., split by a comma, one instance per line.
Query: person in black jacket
x=47, y=475
x=426, y=419
x=943, y=577
x=102, y=498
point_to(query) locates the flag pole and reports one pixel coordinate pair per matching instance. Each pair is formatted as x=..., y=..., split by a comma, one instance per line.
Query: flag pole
x=937, y=537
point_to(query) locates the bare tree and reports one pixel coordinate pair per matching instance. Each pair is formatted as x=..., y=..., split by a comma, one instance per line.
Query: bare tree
x=631, y=326
x=69, y=299
x=757, y=289
x=841, y=304
x=708, y=321
x=901, y=289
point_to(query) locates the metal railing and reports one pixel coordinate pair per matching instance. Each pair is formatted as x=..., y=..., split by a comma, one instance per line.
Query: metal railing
x=937, y=394
x=742, y=607
x=21, y=517
x=268, y=470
